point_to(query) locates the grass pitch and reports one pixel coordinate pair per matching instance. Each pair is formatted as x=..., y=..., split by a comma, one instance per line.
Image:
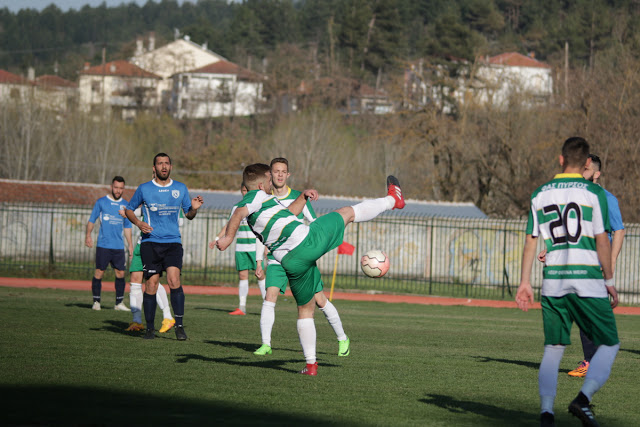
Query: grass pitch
x=64, y=364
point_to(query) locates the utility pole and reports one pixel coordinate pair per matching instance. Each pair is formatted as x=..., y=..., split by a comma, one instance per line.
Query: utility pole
x=566, y=73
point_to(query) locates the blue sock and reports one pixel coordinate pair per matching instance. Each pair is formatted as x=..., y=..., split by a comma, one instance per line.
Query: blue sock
x=149, y=303
x=119, y=290
x=96, y=289
x=177, y=302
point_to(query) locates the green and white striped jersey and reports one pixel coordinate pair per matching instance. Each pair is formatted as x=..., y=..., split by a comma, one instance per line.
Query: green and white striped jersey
x=568, y=212
x=245, y=239
x=307, y=213
x=272, y=223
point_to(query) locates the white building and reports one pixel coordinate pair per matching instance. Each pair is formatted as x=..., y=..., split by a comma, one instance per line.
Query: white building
x=14, y=88
x=219, y=89
x=512, y=76
x=178, y=56
x=119, y=87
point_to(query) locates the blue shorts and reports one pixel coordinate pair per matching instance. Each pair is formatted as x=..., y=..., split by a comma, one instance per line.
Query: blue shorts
x=105, y=256
x=157, y=257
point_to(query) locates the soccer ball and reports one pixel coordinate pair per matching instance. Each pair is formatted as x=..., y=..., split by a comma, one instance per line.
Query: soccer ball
x=375, y=263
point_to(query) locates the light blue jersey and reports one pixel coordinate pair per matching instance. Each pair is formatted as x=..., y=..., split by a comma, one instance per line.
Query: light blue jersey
x=111, y=223
x=161, y=209
x=615, y=217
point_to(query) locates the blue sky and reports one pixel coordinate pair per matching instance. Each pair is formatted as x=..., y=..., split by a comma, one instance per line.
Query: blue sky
x=16, y=5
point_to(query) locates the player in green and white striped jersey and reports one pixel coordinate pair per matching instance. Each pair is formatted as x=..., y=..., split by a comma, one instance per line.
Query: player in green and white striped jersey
x=276, y=280
x=298, y=246
x=247, y=258
x=571, y=215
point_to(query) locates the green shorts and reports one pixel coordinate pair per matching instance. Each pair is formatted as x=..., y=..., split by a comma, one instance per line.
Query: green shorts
x=325, y=233
x=593, y=316
x=245, y=261
x=136, y=261
x=276, y=277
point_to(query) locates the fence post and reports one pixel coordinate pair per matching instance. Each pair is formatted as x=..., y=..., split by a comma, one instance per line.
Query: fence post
x=51, y=257
x=430, y=234
x=504, y=257
x=357, y=251
x=206, y=250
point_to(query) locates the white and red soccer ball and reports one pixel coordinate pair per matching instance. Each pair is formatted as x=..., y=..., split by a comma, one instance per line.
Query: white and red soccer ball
x=375, y=263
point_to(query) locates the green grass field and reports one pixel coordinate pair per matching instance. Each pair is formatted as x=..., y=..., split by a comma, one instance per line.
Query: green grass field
x=64, y=364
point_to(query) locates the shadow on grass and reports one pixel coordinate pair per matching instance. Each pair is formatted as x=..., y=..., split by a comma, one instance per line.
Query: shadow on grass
x=499, y=416
x=276, y=364
x=66, y=405
x=78, y=304
x=251, y=347
x=532, y=365
x=117, y=327
x=224, y=311
x=628, y=350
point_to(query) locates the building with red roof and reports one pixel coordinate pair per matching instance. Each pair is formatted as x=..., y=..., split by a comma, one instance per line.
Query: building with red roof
x=118, y=87
x=218, y=89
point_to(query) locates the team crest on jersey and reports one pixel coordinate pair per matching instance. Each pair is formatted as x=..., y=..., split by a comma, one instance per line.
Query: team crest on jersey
x=175, y=193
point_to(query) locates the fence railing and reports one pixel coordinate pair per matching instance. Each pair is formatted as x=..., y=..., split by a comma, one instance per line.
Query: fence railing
x=471, y=258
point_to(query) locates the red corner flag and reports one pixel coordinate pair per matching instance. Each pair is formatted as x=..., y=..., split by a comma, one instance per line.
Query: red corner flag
x=346, y=249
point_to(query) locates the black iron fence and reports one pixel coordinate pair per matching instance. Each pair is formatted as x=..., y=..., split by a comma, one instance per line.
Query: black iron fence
x=472, y=258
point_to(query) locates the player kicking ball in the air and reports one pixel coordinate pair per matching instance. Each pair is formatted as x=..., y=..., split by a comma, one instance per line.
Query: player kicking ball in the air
x=298, y=246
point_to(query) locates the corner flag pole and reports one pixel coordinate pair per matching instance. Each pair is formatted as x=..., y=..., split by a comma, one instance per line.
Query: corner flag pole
x=333, y=280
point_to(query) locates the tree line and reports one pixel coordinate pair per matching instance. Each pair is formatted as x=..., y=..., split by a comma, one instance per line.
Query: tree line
x=359, y=38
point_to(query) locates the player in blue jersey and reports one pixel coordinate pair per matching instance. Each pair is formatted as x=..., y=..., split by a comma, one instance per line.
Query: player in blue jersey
x=110, y=246
x=161, y=244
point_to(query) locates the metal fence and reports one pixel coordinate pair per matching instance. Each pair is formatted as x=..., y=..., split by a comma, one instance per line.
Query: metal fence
x=472, y=258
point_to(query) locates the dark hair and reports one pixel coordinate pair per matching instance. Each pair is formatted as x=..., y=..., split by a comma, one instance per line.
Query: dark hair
x=161, y=155
x=596, y=161
x=254, y=173
x=575, y=151
x=279, y=160
x=117, y=178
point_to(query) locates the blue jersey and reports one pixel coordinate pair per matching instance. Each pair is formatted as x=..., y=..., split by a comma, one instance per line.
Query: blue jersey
x=161, y=209
x=615, y=217
x=111, y=223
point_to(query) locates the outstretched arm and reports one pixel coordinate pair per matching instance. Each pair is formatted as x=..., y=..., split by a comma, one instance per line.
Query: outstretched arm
x=298, y=205
x=232, y=227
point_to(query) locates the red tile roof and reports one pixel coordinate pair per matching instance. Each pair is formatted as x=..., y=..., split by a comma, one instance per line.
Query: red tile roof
x=54, y=81
x=10, y=78
x=514, y=59
x=119, y=68
x=15, y=191
x=226, y=67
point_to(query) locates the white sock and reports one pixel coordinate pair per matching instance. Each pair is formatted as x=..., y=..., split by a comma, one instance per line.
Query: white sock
x=135, y=301
x=331, y=313
x=163, y=302
x=599, y=369
x=267, y=319
x=371, y=208
x=263, y=290
x=548, y=376
x=307, y=334
x=243, y=291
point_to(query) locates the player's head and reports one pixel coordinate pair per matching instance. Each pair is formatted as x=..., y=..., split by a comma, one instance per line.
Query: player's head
x=279, y=172
x=162, y=166
x=117, y=187
x=592, y=169
x=243, y=188
x=257, y=177
x=575, y=153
